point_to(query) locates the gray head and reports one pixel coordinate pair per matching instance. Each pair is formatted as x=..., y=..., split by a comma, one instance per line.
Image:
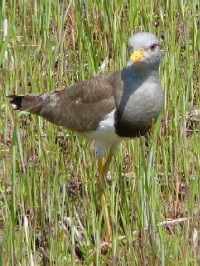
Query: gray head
x=145, y=49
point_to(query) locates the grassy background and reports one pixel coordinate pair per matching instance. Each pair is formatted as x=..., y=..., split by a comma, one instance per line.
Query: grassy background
x=47, y=174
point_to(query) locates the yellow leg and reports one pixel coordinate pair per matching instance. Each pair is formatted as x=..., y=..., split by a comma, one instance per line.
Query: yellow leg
x=107, y=162
x=100, y=167
x=102, y=196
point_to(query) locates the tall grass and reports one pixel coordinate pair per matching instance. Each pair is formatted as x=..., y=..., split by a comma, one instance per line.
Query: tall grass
x=48, y=203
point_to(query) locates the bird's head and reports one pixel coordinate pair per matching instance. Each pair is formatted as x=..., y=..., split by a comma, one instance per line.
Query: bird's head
x=145, y=49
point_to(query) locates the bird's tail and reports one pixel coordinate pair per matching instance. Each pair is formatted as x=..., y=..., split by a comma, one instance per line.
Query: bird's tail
x=28, y=103
x=44, y=105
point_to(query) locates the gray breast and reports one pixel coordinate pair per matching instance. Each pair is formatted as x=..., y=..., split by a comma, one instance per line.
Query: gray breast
x=140, y=103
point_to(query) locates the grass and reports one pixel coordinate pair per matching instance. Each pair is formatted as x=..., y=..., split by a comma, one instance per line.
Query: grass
x=47, y=185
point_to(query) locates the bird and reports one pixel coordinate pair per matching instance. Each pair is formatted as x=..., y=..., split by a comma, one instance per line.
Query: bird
x=107, y=108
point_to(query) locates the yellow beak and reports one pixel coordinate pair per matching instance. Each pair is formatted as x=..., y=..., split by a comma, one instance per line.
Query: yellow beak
x=137, y=55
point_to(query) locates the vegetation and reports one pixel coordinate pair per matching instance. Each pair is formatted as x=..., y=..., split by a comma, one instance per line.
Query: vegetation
x=49, y=208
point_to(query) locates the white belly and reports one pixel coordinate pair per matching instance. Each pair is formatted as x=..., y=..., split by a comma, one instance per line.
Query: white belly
x=105, y=136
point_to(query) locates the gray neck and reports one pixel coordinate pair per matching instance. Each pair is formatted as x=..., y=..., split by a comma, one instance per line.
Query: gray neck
x=140, y=72
x=142, y=67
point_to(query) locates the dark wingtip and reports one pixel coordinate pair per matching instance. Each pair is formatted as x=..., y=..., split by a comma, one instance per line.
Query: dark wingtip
x=16, y=101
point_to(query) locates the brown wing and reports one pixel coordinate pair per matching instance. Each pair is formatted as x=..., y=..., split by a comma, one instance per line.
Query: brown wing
x=79, y=108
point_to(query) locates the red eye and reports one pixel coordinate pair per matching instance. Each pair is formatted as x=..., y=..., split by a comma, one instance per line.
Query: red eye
x=153, y=47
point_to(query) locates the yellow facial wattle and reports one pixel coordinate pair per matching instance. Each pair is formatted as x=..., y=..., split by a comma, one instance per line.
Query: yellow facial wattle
x=137, y=55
